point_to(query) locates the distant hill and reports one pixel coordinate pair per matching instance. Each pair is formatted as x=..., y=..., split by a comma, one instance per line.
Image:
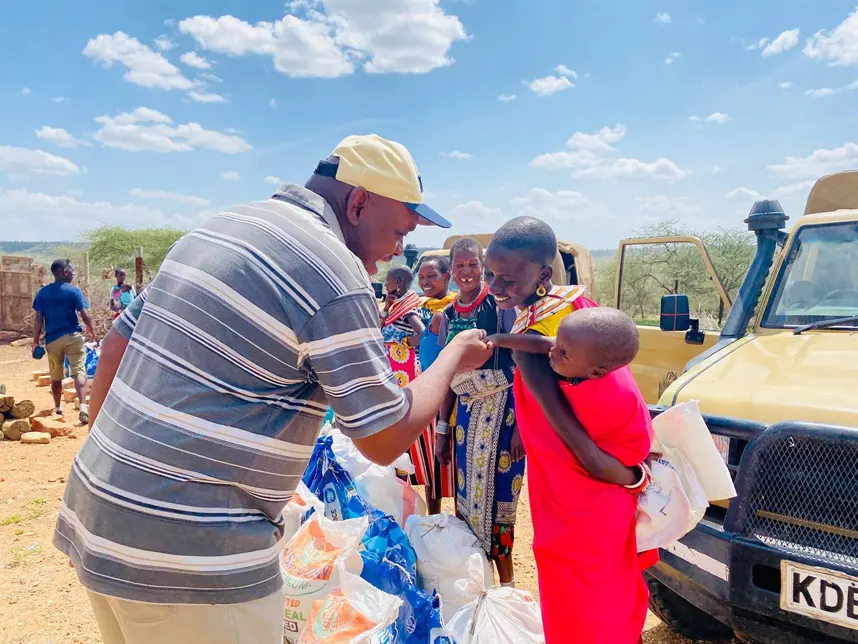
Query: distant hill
x=41, y=252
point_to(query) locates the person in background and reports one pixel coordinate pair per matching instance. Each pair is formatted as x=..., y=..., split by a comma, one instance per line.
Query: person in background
x=57, y=306
x=585, y=439
x=486, y=450
x=401, y=328
x=433, y=277
x=116, y=304
x=211, y=390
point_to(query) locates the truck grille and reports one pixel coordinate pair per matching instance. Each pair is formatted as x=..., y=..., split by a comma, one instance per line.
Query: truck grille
x=802, y=494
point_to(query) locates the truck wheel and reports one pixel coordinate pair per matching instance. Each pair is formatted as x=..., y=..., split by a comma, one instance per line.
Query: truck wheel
x=682, y=617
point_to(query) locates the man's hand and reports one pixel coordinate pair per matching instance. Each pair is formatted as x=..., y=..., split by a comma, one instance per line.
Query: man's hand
x=442, y=448
x=472, y=351
x=35, y=344
x=516, y=447
x=90, y=333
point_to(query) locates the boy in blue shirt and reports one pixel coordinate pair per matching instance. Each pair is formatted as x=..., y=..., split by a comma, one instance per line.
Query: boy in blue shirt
x=57, y=306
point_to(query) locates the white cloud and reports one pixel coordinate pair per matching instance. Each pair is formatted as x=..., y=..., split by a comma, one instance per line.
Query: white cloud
x=23, y=161
x=818, y=163
x=744, y=194
x=794, y=188
x=193, y=59
x=563, y=205
x=274, y=180
x=34, y=215
x=506, y=98
x=663, y=18
x=163, y=43
x=146, y=129
x=206, y=97
x=59, y=99
x=671, y=57
x=821, y=92
x=461, y=156
x=591, y=155
x=166, y=194
x=838, y=47
x=26, y=91
x=230, y=175
x=327, y=39
x=716, y=117
x=59, y=136
x=145, y=67
x=716, y=169
x=475, y=217
x=785, y=84
x=785, y=41
x=621, y=168
x=563, y=70
x=549, y=85
x=272, y=103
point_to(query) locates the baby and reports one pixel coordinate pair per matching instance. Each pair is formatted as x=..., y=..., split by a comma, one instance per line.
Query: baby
x=126, y=296
x=590, y=355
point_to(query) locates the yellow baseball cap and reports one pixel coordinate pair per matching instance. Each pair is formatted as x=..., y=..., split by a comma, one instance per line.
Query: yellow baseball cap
x=383, y=167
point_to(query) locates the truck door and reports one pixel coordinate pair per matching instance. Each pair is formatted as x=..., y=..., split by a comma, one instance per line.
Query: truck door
x=649, y=268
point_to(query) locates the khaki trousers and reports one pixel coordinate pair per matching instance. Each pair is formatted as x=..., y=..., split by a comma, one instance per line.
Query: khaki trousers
x=122, y=621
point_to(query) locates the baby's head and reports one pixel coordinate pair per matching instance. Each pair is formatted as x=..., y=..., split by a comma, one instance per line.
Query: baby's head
x=399, y=279
x=592, y=343
x=125, y=287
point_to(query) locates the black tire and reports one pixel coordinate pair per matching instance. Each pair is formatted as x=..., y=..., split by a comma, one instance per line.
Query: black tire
x=683, y=617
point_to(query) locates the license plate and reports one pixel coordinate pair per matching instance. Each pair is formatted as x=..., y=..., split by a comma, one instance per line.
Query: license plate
x=819, y=593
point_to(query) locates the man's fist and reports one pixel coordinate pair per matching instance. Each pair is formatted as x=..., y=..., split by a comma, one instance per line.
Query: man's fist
x=473, y=352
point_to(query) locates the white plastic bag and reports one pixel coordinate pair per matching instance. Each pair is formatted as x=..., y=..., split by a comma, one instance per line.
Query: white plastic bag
x=500, y=616
x=682, y=428
x=311, y=563
x=689, y=474
x=448, y=553
x=389, y=494
x=302, y=502
x=354, y=613
x=356, y=463
x=672, y=504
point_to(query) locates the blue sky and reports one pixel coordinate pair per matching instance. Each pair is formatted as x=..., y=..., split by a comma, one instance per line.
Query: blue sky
x=598, y=117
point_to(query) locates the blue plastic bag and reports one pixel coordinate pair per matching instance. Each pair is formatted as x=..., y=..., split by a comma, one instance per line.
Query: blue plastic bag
x=389, y=561
x=91, y=361
x=419, y=620
x=332, y=484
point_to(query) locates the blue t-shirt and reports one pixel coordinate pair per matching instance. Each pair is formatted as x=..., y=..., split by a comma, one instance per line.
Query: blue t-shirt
x=59, y=303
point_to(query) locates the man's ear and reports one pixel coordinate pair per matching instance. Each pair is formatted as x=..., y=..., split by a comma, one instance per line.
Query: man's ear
x=358, y=199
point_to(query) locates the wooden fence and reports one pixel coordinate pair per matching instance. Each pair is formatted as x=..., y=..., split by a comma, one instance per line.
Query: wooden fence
x=20, y=278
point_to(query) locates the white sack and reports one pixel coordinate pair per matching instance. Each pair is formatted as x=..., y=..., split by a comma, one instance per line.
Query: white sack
x=449, y=553
x=682, y=428
x=311, y=563
x=500, y=616
x=389, y=494
x=355, y=463
x=355, y=613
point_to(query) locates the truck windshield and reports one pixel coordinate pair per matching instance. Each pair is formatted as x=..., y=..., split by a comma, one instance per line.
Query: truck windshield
x=819, y=280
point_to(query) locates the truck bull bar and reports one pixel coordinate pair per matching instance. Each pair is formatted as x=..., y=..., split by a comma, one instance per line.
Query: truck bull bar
x=797, y=501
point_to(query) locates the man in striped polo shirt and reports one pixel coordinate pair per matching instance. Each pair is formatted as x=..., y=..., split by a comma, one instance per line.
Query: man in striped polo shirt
x=211, y=390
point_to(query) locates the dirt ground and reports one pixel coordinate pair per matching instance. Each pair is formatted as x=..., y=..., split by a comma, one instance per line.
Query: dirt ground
x=41, y=601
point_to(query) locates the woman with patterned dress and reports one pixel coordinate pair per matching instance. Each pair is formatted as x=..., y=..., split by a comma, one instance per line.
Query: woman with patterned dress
x=433, y=277
x=482, y=437
x=401, y=328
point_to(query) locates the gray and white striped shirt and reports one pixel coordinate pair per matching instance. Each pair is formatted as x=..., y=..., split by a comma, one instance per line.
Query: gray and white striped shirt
x=254, y=324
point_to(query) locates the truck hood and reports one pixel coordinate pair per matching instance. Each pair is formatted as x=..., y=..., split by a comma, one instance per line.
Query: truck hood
x=811, y=377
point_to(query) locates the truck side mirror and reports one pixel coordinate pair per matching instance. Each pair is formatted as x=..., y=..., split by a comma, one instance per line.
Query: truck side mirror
x=675, y=313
